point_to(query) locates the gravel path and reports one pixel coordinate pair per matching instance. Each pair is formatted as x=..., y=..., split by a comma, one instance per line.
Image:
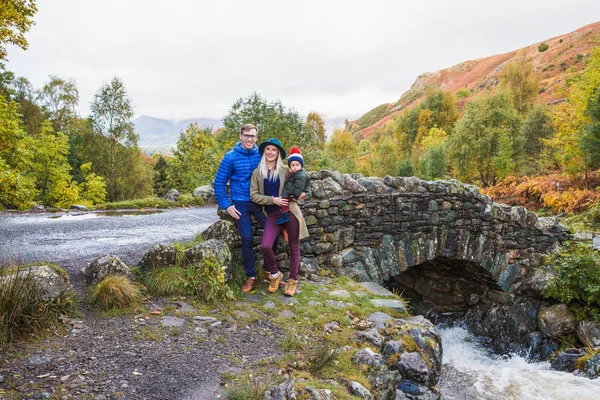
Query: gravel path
x=125, y=357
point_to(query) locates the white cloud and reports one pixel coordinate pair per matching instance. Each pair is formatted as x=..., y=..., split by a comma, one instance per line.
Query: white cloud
x=340, y=58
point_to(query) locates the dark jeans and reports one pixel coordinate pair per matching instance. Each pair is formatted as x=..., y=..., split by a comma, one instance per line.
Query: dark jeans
x=244, y=224
x=269, y=242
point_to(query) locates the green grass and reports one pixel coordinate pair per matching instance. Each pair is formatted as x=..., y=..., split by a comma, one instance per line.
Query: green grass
x=25, y=314
x=152, y=202
x=168, y=281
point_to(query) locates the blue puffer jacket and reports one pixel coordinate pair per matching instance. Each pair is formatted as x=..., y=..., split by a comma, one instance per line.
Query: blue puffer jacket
x=236, y=167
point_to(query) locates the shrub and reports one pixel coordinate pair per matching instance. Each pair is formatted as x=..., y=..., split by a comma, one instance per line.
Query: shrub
x=462, y=93
x=576, y=274
x=24, y=312
x=543, y=47
x=116, y=291
x=207, y=281
x=166, y=281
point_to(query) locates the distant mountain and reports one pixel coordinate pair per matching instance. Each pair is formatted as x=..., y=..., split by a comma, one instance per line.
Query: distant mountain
x=162, y=134
x=155, y=132
x=554, y=61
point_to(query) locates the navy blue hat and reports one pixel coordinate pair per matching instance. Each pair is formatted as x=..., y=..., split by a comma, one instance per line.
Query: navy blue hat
x=272, y=142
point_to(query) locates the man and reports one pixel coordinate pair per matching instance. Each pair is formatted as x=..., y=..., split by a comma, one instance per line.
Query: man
x=236, y=167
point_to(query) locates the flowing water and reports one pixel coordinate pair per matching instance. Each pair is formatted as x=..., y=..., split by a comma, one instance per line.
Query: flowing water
x=472, y=372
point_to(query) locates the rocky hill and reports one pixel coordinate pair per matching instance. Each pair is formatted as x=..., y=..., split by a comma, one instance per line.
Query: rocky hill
x=554, y=60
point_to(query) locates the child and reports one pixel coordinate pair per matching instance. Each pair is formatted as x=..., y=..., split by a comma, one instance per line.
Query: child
x=296, y=182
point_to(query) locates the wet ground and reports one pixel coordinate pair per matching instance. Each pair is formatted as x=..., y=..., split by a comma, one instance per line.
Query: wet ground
x=73, y=239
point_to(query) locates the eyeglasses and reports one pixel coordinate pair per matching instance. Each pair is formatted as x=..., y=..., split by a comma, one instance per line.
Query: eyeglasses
x=249, y=137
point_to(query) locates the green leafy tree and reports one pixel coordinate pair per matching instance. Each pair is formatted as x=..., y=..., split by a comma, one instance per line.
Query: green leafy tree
x=341, y=152
x=518, y=76
x=386, y=158
x=59, y=98
x=160, y=176
x=271, y=118
x=479, y=142
x=16, y=18
x=51, y=168
x=314, y=143
x=430, y=155
x=194, y=162
x=112, y=116
x=590, y=138
x=538, y=127
x=93, y=189
x=17, y=185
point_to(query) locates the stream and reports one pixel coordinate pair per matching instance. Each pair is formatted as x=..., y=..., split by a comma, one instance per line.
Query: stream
x=471, y=372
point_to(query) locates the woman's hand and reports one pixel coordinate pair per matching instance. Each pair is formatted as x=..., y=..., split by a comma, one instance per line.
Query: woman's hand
x=280, y=201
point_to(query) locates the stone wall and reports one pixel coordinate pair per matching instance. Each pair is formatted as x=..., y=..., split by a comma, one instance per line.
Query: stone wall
x=468, y=248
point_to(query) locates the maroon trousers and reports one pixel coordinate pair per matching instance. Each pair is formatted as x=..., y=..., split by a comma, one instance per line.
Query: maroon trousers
x=272, y=230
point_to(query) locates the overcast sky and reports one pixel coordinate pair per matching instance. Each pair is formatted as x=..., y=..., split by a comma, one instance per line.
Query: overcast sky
x=183, y=59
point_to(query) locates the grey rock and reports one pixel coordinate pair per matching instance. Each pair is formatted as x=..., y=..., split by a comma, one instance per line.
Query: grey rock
x=286, y=314
x=172, y=195
x=284, y=391
x=376, y=289
x=588, y=333
x=102, y=267
x=379, y=318
x=340, y=293
x=394, y=304
x=172, y=321
x=336, y=304
x=372, y=336
x=49, y=283
x=368, y=357
x=211, y=249
x=413, y=367
x=206, y=193
x=160, y=256
x=556, y=321
x=360, y=391
x=226, y=231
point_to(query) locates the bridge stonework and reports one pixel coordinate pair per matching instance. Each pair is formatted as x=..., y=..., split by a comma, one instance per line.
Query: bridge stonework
x=468, y=249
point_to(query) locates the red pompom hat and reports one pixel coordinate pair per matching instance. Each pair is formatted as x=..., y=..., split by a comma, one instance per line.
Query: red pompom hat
x=295, y=155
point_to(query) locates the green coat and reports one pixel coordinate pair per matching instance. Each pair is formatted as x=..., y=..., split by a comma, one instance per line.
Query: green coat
x=257, y=190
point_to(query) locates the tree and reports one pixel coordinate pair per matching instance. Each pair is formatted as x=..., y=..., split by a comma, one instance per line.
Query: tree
x=314, y=143
x=271, y=118
x=15, y=20
x=59, y=97
x=386, y=158
x=518, y=76
x=430, y=155
x=480, y=136
x=112, y=114
x=17, y=186
x=341, y=152
x=51, y=168
x=160, y=176
x=538, y=127
x=194, y=161
x=93, y=189
x=590, y=138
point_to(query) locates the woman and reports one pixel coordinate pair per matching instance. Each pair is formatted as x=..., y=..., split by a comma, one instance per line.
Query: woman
x=265, y=189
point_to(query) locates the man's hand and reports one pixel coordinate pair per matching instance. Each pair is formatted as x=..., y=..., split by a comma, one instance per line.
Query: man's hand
x=235, y=214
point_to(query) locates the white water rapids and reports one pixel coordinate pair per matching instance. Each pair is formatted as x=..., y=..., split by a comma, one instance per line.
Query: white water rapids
x=471, y=372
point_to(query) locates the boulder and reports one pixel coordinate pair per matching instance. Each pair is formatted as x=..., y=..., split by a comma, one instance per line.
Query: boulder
x=556, y=321
x=211, y=248
x=368, y=357
x=283, y=391
x=588, y=333
x=160, y=256
x=50, y=283
x=172, y=195
x=224, y=230
x=566, y=360
x=359, y=390
x=102, y=267
x=206, y=193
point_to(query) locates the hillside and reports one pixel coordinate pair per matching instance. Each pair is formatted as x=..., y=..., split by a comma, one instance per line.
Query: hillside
x=563, y=57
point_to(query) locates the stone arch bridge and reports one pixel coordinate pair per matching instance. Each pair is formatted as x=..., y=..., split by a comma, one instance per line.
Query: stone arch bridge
x=468, y=249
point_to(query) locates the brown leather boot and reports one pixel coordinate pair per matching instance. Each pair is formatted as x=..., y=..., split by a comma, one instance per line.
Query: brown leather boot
x=249, y=285
x=290, y=288
x=274, y=285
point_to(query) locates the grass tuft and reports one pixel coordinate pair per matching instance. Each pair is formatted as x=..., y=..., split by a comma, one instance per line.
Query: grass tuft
x=116, y=291
x=248, y=389
x=168, y=281
x=23, y=310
